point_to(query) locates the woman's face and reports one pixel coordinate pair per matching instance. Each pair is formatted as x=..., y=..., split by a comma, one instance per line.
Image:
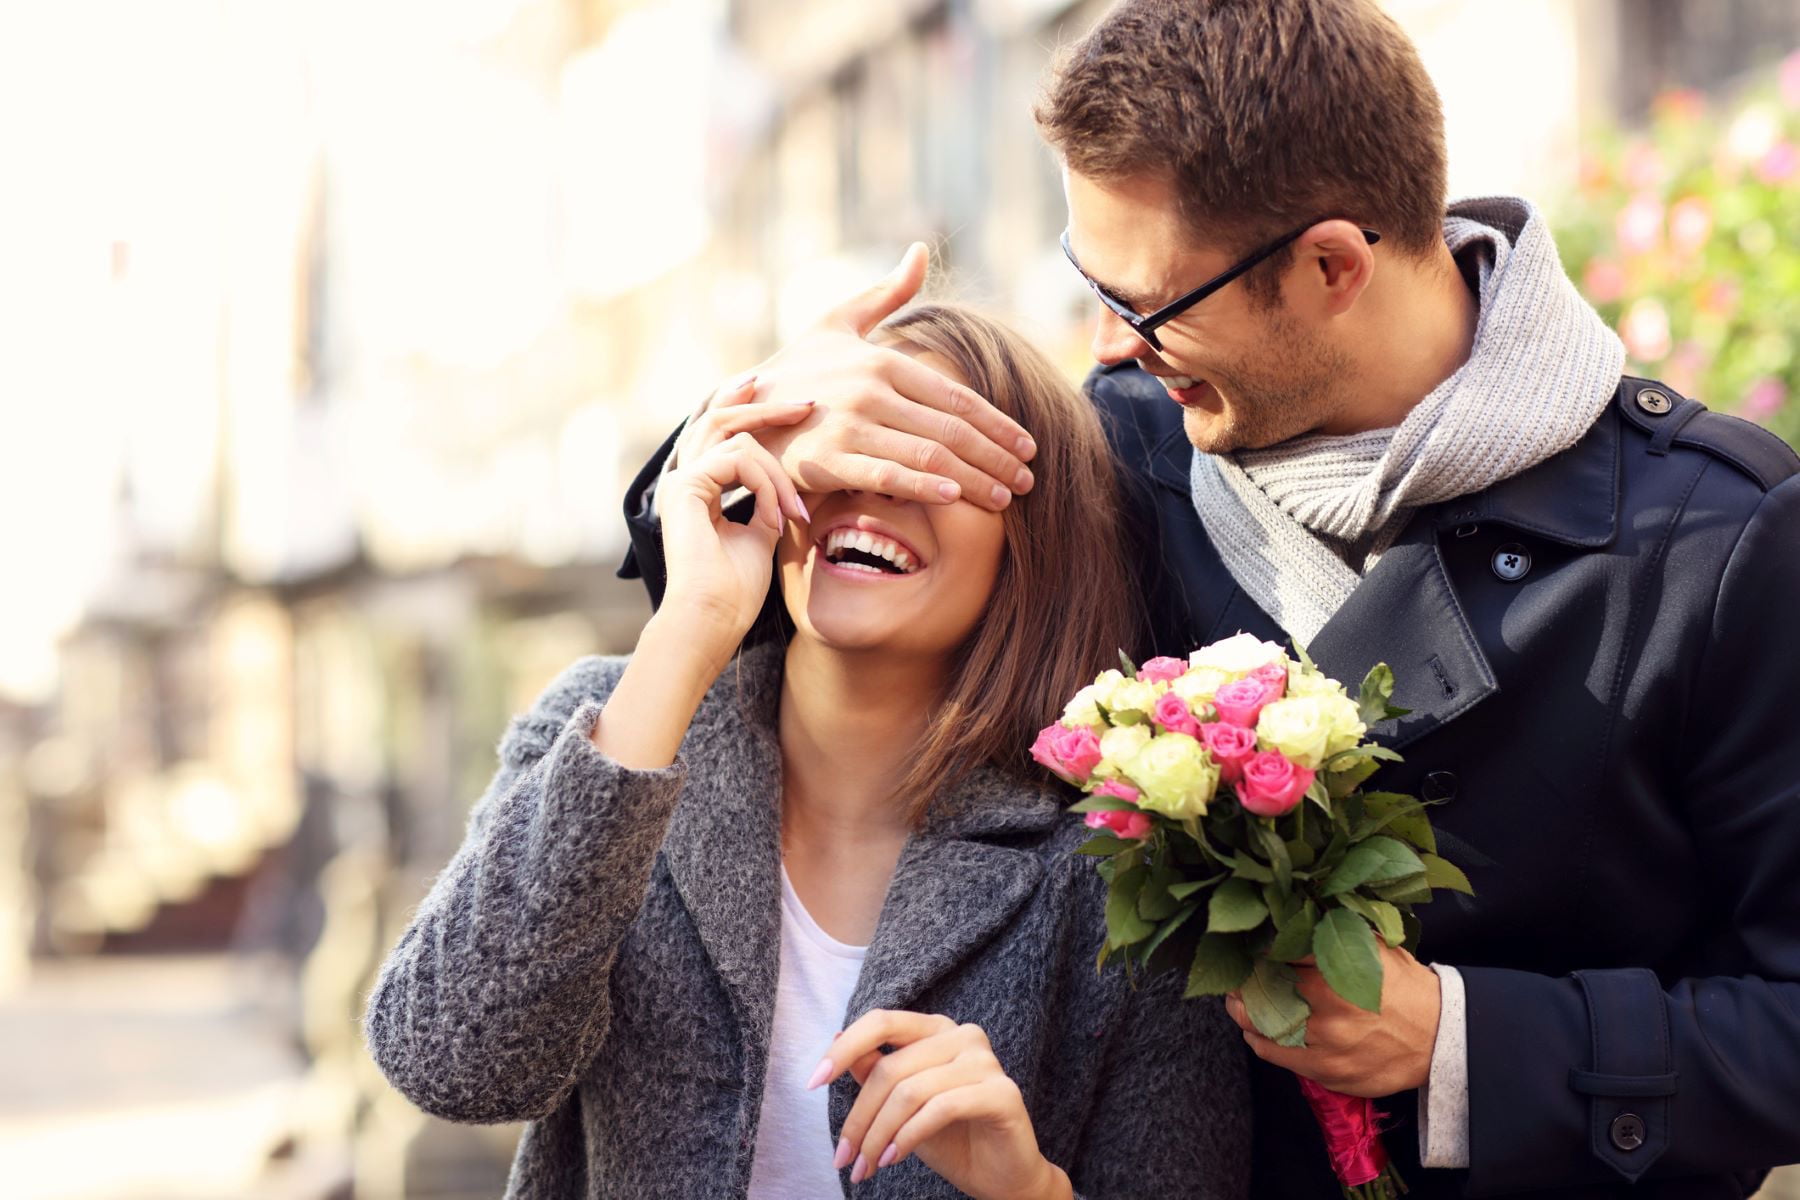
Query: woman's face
x=873, y=572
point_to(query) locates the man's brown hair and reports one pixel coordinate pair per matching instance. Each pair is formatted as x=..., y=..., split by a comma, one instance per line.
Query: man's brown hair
x=1264, y=114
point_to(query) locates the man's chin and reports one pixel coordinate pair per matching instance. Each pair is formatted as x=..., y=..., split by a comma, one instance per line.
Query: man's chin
x=1208, y=432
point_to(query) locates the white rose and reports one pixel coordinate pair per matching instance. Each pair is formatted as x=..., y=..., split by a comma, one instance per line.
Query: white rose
x=1118, y=746
x=1298, y=728
x=1083, y=709
x=1239, y=655
x=1199, y=684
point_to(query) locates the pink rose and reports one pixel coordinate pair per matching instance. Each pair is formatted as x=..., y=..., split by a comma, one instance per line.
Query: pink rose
x=1231, y=747
x=1240, y=703
x=1272, y=785
x=1118, y=791
x=1132, y=826
x=1162, y=670
x=1071, y=753
x=1275, y=677
x=1172, y=714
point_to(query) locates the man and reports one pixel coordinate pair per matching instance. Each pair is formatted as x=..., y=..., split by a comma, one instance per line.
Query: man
x=1396, y=434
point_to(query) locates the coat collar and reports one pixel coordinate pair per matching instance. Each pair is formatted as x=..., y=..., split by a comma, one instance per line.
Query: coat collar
x=957, y=882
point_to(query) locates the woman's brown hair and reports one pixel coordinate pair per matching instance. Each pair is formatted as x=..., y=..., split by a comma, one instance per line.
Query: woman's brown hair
x=1064, y=602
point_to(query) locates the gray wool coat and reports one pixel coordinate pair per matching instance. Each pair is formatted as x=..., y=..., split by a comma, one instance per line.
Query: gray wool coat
x=599, y=959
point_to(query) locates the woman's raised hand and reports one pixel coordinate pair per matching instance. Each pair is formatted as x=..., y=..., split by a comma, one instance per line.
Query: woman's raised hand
x=719, y=571
x=940, y=1094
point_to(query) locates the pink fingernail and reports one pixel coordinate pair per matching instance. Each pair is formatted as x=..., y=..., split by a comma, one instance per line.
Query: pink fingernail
x=822, y=1073
x=888, y=1156
x=860, y=1170
x=1001, y=496
x=801, y=505
x=1027, y=448
x=743, y=381
x=948, y=490
x=841, y=1159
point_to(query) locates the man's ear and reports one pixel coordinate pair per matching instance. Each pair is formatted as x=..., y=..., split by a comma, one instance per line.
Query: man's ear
x=1336, y=264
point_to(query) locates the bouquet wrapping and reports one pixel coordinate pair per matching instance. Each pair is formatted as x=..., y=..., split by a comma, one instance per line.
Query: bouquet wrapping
x=1236, y=837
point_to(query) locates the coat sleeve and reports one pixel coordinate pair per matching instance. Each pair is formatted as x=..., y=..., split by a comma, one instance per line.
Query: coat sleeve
x=1173, y=1113
x=496, y=995
x=1611, y=1074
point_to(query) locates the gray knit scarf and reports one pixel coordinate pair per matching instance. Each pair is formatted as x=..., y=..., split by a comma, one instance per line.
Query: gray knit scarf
x=1299, y=523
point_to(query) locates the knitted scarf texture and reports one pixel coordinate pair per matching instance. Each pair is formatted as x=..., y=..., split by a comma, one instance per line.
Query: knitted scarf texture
x=1298, y=524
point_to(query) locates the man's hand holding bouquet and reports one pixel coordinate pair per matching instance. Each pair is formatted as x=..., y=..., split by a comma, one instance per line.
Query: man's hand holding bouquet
x=1238, y=844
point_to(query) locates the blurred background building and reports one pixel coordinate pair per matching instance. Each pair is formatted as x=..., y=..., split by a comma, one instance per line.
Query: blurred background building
x=331, y=335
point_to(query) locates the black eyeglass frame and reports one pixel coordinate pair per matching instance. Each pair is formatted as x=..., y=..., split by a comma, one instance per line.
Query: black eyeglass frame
x=1146, y=326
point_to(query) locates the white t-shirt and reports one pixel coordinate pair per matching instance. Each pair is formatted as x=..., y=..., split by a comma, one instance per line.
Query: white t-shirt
x=812, y=993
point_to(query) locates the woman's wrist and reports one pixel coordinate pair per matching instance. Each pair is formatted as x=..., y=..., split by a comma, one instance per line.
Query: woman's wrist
x=649, y=712
x=1052, y=1183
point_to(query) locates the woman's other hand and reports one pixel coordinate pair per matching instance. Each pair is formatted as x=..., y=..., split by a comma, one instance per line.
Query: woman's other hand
x=719, y=571
x=940, y=1094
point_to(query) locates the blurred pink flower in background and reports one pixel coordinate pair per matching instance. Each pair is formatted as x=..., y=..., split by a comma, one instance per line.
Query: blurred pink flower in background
x=1682, y=372
x=1790, y=80
x=1640, y=225
x=1718, y=297
x=1764, y=399
x=1680, y=106
x=1643, y=167
x=1690, y=224
x=1603, y=281
x=1779, y=164
x=1645, y=331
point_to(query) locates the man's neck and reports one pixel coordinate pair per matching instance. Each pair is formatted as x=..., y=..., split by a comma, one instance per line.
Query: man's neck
x=1416, y=328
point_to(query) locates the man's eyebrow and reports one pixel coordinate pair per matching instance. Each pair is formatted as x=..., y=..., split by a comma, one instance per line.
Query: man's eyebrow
x=1141, y=300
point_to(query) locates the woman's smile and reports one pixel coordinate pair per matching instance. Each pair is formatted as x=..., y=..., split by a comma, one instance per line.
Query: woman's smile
x=859, y=547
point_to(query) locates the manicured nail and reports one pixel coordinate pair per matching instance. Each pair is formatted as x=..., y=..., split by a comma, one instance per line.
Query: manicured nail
x=1001, y=496
x=739, y=383
x=888, y=1156
x=860, y=1171
x=801, y=505
x=821, y=1074
x=949, y=490
x=801, y=403
x=841, y=1159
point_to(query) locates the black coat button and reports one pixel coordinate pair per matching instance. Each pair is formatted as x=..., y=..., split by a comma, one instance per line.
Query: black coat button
x=1439, y=786
x=1627, y=1131
x=1512, y=562
x=1654, y=402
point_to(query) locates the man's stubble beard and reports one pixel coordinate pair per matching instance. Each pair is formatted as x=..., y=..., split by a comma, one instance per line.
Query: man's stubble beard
x=1293, y=386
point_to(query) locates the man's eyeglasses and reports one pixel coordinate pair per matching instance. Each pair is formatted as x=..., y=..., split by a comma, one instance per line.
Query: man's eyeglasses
x=1146, y=326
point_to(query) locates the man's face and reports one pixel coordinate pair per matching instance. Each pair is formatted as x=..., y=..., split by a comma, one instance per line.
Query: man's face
x=1245, y=375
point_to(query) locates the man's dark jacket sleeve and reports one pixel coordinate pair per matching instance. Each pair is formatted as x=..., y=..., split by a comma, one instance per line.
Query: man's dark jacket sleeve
x=1616, y=1068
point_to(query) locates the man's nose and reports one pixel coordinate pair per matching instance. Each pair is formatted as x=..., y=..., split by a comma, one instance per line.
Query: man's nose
x=1115, y=341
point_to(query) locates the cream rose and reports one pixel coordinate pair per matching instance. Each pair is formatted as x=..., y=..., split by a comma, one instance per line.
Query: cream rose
x=1299, y=728
x=1238, y=655
x=1175, y=776
x=1118, y=746
x=1199, y=684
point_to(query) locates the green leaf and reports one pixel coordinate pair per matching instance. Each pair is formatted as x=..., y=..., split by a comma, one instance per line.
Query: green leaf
x=1414, y=929
x=1373, y=700
x=1103, y=846
x=1221, y=964
x=1379, y=913
x=1403, y=892
x=1168, y=927
x=1181, y=891
x=1296, y=937
x=1347, y=779
x=1345, y=947
x=1275, y=851
x=1274, y=1004
x=1235, y=907
x=1247, y=868
x=1126, y=665
x=1301, y=854
x=1441, y=873
x=1281, y=904
x=1154, y=902
x=1123, y=925
x=1319, y=794
x=1102, y=804
x=1378, y=860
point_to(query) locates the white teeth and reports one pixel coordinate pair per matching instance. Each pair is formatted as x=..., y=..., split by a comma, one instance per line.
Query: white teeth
x=840, y=540
x=1178, y=382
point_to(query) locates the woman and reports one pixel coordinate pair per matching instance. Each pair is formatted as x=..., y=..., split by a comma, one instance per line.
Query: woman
x=698, y=890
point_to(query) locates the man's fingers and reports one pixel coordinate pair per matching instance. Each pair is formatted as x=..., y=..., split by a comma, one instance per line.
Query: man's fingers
x=867, y=309
x=865, y=473
x=928, y=456
x=923, y=385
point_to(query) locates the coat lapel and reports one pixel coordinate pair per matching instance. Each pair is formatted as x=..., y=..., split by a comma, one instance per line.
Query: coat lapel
x=955, y=886
x=724, y=843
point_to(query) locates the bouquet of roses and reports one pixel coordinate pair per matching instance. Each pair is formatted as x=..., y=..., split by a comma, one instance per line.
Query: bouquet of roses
x=1236, y=840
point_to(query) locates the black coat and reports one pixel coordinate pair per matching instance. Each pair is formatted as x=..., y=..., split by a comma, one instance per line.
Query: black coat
x=1616, y=734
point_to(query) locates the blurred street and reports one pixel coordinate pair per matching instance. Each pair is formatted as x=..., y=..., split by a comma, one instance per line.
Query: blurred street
x=142, y=1078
